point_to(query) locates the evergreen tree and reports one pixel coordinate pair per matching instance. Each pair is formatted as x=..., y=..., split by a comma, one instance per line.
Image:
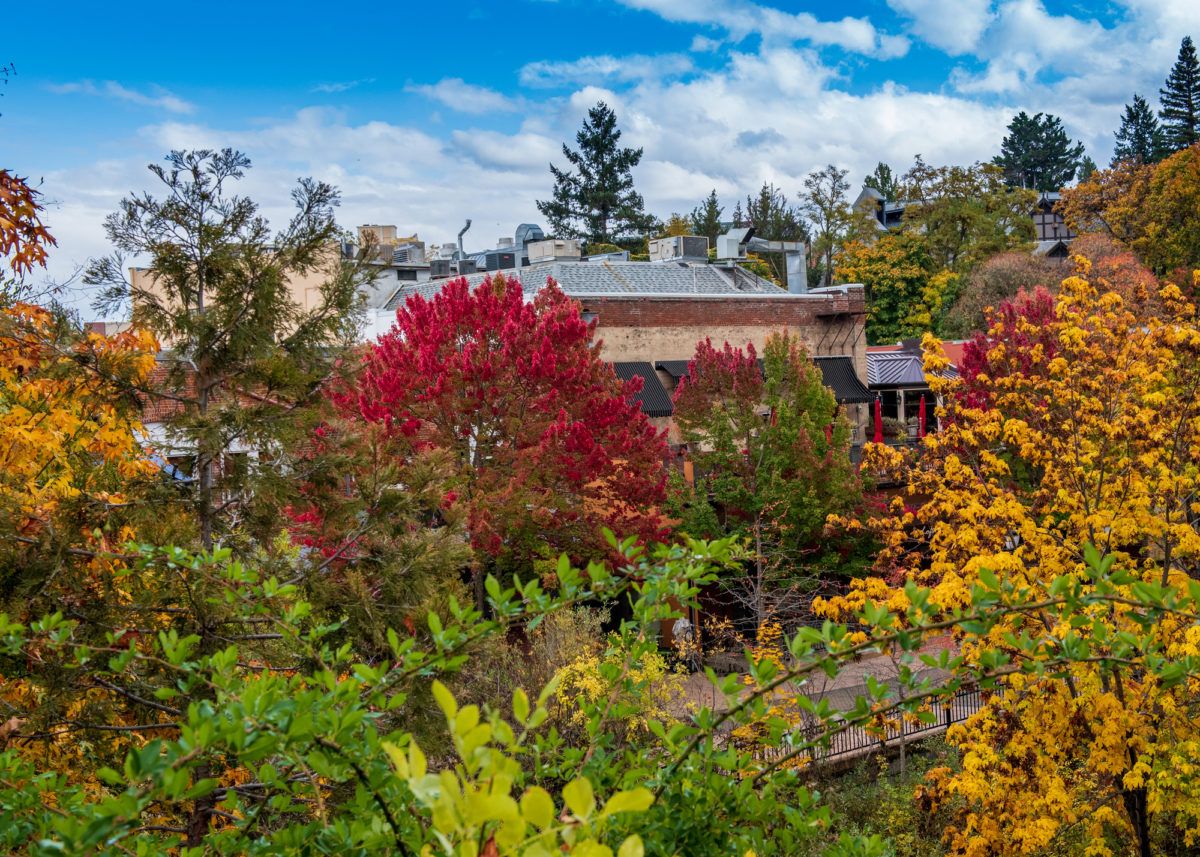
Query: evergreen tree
x=739, y=217
x=1037, y=153
x=884, y=181
x=594, y=198
x=242, y=358
x=706, y=218
x=1180, y=100
x=1139, y=139
x=1087, y=167
x=773, y=216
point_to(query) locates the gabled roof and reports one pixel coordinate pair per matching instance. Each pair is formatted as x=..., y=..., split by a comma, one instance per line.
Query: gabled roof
x=616, y=278
x=1053, y=248
x=899, y=369
x=653, y=398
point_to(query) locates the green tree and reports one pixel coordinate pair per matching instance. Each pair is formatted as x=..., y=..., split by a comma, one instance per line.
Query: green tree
x=1037, y=153
x=1139, y=138
x=906, y=294
x=244, y=359
x=1179, y=99
x=884, y=181
x=594, y=197
x=772, y=216
x=1087, y=168
x=766, y=469
x=965, y=214
x=827, y=208
x=706, y=218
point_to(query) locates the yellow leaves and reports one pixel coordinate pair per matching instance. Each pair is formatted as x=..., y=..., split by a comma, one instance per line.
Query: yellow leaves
x=1090, y=433
x=60, y=427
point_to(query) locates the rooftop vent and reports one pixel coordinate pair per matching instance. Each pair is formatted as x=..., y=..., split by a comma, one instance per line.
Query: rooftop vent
x=679, y=248
x=526, y=233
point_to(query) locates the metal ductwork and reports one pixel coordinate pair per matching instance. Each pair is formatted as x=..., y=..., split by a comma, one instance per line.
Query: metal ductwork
x=734, y=244
x=461, y=233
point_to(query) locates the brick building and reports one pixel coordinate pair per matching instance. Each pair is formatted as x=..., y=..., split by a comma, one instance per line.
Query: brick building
x=650, y=315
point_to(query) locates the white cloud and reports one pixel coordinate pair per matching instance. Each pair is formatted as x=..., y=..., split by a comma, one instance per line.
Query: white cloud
x=457, y=94
x=341, y=85
x=768, y=112
x=703, y=44
x=159, y=98
x=604, y=69
x=952, y=25
x=742, y=18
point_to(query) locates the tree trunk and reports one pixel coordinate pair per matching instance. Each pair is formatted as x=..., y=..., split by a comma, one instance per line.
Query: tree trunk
x=1139, y=817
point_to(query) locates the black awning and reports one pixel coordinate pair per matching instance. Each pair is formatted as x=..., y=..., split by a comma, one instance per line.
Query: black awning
x=653, y=398
x=839, y=375
x=677, y=369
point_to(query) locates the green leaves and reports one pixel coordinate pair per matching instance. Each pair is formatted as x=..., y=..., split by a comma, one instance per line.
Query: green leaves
x=579, y=798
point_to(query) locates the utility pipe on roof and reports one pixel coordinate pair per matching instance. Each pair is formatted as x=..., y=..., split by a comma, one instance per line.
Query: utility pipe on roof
x=462, y=253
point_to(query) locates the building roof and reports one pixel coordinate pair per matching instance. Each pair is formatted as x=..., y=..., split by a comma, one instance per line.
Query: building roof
x=653, y=398
x=608, y=278
x=677, y=369
x=837, y=373
x=898, y=368
x=1054, y=248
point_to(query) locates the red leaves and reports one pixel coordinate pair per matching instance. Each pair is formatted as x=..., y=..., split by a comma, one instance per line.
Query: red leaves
x=1020, y=325
x=546, y=443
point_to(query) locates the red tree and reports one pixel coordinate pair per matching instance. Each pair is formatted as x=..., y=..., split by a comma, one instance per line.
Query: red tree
x=1023, y=324
x=544, y=443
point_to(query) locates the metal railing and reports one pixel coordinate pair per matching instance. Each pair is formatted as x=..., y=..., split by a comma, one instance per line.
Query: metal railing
x=861, y=740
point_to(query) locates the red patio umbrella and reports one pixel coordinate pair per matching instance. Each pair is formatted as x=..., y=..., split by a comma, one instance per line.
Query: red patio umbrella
x=921, y=418
x=878, y=421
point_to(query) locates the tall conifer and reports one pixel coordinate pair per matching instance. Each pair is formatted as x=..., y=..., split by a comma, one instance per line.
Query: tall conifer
x=594, y=198
x=1180, y=99
x=1140, y=138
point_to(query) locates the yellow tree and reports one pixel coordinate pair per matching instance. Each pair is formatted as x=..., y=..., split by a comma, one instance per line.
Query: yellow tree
x=72, y=470
x=1083, y=428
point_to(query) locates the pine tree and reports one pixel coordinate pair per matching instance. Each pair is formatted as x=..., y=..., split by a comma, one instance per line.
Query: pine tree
x=1087, y=167
x=884, y=181
x=773, y=217
x=706, y=218
x=1037, y=153
x=594, y=199
x=739, y=217
x=1180, y=100
x=1139, y=139
x=243, y=359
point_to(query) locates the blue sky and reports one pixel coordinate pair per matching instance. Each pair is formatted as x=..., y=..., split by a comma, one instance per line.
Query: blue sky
x=425, y=114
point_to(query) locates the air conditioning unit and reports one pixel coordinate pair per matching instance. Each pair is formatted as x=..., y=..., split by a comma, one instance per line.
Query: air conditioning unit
x=679, y=248
x=553, y=250
x=439, y=269
x=499, y=261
